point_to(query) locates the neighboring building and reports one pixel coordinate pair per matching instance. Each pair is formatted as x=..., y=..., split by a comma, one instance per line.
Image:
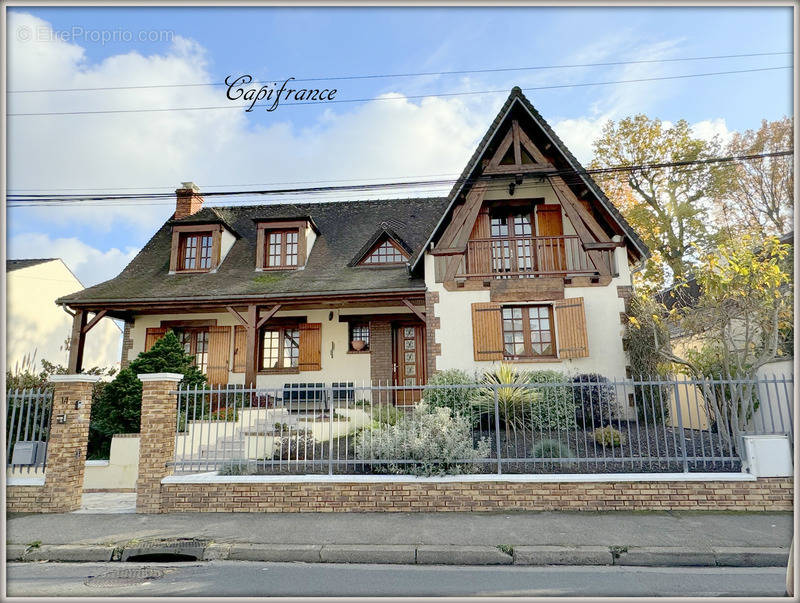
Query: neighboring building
x=526, y=260
x=38, y=329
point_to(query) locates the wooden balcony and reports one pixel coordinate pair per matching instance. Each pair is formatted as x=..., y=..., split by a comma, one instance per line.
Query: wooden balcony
x=528, y=256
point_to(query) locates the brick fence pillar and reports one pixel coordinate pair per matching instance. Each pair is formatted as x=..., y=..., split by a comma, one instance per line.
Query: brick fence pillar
x=67, y=442
x=156, y=437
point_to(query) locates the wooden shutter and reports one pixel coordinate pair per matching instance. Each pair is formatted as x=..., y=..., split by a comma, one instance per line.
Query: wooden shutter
x=310, y=357
x=239, y=349
x=479, y=256
x=153, y=335
x=219, y=353
x=551, y=253
x=571, y=327
x=487, y=331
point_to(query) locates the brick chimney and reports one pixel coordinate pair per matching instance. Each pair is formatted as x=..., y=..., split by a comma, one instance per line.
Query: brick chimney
x=188, y=200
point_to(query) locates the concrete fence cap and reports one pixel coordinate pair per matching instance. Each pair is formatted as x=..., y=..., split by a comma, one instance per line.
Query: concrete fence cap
x=74, y=378
x=160, y=377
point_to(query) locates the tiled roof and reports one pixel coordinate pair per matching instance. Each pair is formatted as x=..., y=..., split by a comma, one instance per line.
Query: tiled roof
x=26, y=263
x=344, y=228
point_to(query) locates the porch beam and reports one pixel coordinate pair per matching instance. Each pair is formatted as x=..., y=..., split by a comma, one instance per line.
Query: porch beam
x=97, y=318
x=415, y=310
x=237, y=316
x=251, y=345
x=76, y=342
x=270, y=313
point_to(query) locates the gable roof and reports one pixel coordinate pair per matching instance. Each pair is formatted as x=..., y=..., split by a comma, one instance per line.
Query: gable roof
x=12, y=265
x=383, y=231
x=343, y=228
x=207, y=215
x=517, y=98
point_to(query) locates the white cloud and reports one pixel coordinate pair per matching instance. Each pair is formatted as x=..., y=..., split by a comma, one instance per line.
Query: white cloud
x=90, y=265
x=710, y=128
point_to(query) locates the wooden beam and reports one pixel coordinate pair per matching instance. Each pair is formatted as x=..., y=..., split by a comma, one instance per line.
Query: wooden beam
x=448, y=250
x=527, y=143
x=270, y=313
x=517, y=152
x=525, y=168
x=97, y=317
x=251, y=353
x=413, y=308
x=76, y=342
x=501, y=151
x=237, y=316
x=599, y=234
x=461, y=235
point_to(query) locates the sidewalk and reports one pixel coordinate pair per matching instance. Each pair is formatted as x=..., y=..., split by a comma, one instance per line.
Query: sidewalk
x=658, y=538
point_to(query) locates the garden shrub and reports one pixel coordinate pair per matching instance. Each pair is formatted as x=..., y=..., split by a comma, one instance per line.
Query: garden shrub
x=554, y=406
x=457, y=400
x=297, y=446
x=552, y=449
x=117, y=406
x=608, y=436
x=384, y=414
x=595, y=400
x=433, y=438
x=515, y=399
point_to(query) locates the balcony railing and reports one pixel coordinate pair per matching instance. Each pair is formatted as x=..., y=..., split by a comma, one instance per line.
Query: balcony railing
x=532, y=256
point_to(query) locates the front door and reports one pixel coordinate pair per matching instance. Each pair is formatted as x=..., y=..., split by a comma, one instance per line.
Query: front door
x=408, y=362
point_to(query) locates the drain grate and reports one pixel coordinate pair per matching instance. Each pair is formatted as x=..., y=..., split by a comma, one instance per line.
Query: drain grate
x=167, y=549
x=125, y=577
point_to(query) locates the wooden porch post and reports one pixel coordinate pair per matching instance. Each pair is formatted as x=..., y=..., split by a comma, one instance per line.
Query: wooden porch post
x=252, y=346
x=77, y=341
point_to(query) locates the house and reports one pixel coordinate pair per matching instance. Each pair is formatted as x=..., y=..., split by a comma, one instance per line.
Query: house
x=526, y=260
x=38, y=329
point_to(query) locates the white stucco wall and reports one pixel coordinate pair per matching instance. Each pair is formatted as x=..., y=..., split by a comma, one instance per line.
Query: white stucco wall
x=226, y=242
x=37, y=325
x=120, y=471
x=337, y=364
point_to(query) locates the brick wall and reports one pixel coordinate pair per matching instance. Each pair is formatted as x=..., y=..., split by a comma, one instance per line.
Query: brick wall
x=24, y=499
x=433, y=323
x=127, y=344
x=157, y=439
x=769, y=494
x=380, y=358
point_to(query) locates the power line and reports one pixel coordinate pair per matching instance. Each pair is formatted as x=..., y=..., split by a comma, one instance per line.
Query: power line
x=418, y=74
x=569, y=175
x=409, y=97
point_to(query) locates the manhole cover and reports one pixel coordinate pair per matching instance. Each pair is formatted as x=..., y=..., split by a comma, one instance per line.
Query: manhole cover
x=125, y=577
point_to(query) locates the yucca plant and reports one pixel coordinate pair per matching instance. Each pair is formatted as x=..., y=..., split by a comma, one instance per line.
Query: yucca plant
x=514, y=399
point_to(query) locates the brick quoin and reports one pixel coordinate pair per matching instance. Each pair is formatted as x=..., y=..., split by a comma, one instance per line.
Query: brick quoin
x=766, y=494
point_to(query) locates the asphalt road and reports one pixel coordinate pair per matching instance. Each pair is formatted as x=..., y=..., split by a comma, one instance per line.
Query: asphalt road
x=238, y=578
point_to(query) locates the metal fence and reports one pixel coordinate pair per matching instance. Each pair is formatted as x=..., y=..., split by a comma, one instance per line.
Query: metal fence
x=605, y=426
x=27, y=427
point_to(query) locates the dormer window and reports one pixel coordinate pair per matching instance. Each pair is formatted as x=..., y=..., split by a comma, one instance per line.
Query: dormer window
x=387, y=252
x=284, y=244
x=195, y=251
x=198, y=247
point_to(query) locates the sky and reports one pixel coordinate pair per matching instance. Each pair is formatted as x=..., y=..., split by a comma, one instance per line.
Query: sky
x=403, y=134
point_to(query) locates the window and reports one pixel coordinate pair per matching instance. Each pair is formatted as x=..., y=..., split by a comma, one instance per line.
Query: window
x=195, y=343
x=386, y=253
x=195, y=251
x=527, y=331
x=280, y=347
x=359, y=331
x=281, y=248
x=512, y=249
